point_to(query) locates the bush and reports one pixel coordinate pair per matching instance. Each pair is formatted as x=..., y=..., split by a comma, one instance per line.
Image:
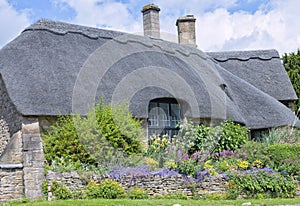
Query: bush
x=60, y=192
x=137, y=193
x=285, y=157
x=108, y=133
x=261, y=181
x=255, y=151
x=119, y=127
x=108, y=189
x=62, y=142
x=227, y=136
x=230, y=135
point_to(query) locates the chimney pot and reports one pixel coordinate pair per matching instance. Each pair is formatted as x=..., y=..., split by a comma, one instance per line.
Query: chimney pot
x=186, y=30
x=151, y=20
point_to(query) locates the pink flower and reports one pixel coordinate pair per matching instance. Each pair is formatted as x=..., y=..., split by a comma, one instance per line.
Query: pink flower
x=173, y=147
x=254, y=150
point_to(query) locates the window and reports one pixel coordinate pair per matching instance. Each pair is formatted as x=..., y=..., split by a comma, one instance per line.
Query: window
x=164, y=116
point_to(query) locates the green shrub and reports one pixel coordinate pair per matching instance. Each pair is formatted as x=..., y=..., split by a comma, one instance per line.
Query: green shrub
x=226, y=136
x=119, y=127
x=62, y=142
x=137, y=193
x=251, y=184
x=103, y=137
x=60, y=192
x=285, y=157
x=255, y=151
x=108, y=189
x=230, y=135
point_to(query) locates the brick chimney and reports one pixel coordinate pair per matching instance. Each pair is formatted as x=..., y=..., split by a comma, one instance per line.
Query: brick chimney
x=151, y=20
x=186, y=30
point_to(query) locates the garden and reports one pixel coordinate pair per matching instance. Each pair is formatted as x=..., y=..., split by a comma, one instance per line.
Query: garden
x=110, y=143
x=109, y=140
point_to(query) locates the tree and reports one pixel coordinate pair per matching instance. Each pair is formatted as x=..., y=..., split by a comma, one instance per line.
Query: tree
x=291, y=62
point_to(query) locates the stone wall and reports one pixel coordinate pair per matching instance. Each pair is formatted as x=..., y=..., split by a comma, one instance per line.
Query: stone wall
x=11, y=182
x=154, y=184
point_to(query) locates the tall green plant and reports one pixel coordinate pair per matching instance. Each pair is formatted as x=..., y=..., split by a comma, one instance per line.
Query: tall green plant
x=105, y=136
x=291, y=63
x=119, y=127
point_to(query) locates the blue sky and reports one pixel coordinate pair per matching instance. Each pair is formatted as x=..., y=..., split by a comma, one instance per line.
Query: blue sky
x=221, y=24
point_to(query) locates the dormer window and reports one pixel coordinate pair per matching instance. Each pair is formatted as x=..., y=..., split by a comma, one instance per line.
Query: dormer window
x=164, y=116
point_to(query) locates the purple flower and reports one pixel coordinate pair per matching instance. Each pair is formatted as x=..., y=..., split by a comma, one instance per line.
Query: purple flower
x=195, y=155
x=287, y=160
x=186, y=156
x=222, y=153
x=179, y=153
x=173, y=147
x=254, y=150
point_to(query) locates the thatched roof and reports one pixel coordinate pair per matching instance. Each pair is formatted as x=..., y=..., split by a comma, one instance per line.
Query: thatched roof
x=54, y=68
x=262, y=68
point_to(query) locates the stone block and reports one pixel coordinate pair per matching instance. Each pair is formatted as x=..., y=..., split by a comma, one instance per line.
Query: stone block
x=31, y=128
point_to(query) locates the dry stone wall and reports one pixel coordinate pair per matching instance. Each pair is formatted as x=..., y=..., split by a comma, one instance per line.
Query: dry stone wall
x=153, y=184
x=11, y=182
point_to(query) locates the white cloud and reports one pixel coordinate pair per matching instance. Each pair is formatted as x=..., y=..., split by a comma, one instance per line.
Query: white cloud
x=11, y=22
x=276, y=28
x=105, y=14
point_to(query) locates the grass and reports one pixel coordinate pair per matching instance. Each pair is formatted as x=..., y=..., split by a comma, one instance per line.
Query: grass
x=155, y=202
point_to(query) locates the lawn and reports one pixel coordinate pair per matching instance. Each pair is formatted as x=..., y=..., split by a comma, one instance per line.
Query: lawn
x=156, y=202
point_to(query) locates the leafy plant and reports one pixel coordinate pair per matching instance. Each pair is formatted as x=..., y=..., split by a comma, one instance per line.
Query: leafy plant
x=105, y=137
x=45, y=188
x=62, y=142
x=230, y=135
x=137, y=193
x=252, y=183
x=108, y=189
x=158, y=147
x=285, y=157
x=60, y=192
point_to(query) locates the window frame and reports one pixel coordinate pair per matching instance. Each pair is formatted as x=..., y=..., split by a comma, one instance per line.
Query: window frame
x=169, y=128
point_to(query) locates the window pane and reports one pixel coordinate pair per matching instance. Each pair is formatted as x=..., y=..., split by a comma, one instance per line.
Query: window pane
x=164, y=115
x=175, y=115
x=153, y=114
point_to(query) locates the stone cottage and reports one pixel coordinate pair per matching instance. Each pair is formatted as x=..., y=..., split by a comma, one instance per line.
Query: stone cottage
x=55, y=68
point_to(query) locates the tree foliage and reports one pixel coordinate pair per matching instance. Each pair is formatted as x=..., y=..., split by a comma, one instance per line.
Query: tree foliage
x=291, y=63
